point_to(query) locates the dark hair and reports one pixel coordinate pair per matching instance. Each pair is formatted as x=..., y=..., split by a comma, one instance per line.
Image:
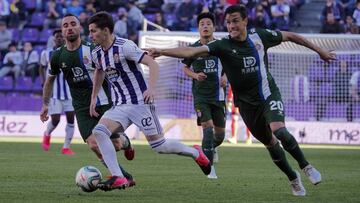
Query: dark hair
x=206, y=15
x=102, y=20
x=12, y=44
x=71, y=15
x=56, y=30
x=237, y=9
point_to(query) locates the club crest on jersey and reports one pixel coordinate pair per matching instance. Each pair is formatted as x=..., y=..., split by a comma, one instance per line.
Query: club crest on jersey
x=116, y=58
x=258, y=46
x=86, y=61
x=77, y=71
x=112, y=73
x=198, y=113
x=63, y=65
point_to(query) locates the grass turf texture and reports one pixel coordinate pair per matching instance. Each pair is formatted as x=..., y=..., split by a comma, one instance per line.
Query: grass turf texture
x=246, y=174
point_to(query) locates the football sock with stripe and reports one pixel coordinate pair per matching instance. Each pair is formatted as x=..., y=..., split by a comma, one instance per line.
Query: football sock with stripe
x=208, y=143
x=107, y=149
x=168, y=146
x=290, y=145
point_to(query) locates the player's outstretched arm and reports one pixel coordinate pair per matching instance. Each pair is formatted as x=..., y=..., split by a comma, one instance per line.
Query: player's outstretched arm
x=99, y=76
x=180, y=52
x=153, y=77
x=325, y=55
x=48, y=87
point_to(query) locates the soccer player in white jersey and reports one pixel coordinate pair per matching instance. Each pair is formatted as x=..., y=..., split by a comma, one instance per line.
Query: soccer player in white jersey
x=61, y=99
x=73, y=59
x=119, y=60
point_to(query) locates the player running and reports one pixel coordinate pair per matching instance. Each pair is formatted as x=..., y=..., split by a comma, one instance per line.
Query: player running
x=244, y=57
x=74, y=60
x=119, y=59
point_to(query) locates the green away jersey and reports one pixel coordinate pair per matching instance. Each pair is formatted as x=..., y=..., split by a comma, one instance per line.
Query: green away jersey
x=78, y=71
x=245, y=64
x=208, y=90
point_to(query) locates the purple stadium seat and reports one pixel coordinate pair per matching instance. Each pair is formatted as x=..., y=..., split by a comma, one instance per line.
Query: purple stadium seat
x=6, y=83
x=335, y=110
x=30, y=4
x=150, y=17
x=39, y=48
x=3, y=102
x=316, y=73
x=170, y=19
x=37, y=19
x=24, y=84
x=37, y=85
x=15, y=34
x=44, y=35
x=30, y=35
x=300, y=111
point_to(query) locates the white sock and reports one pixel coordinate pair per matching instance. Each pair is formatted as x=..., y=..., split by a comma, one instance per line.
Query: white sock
x=167, y=146
x=69, y=130
x=107, y=149
x=49, y=128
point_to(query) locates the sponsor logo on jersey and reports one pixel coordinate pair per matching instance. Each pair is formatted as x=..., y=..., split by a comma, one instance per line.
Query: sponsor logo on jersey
x=249, y=65
x=210, y=66
x=112, y=73
x=79, y=74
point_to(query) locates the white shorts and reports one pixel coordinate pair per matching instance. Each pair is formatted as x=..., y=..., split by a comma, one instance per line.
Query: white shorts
x=57, y=106
x=142, y=115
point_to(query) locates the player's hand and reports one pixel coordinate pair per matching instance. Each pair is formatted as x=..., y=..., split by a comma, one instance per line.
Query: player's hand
x=327, y=56
x=149, y=96
x=92, y=110
x=223, y=81
x=152, y=52
x=44, y=113
x=200, y=76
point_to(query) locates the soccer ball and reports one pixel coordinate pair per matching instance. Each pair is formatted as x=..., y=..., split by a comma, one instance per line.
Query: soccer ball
x=87, y=178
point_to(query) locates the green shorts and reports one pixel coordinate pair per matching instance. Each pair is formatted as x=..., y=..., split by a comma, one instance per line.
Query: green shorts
x=257, y=118
x=214, y=111
x=86, y=123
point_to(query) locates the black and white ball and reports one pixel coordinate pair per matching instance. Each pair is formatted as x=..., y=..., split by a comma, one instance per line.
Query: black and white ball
x=87, y=178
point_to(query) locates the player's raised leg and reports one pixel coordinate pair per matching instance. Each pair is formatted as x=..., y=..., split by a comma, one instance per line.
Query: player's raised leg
x=102, y=133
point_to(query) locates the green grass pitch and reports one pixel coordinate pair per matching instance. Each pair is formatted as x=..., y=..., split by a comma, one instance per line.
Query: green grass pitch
x=246, y=174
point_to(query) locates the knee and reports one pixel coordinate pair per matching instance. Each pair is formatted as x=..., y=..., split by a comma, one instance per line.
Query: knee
x=55, y=121
x=100, y=129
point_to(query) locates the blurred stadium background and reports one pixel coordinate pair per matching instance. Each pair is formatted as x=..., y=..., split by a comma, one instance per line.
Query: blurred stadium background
x=321, y=104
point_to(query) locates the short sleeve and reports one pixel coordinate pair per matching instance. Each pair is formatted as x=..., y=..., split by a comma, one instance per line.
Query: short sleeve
x=269, y=38
x=132, y=51
x=43, y=59
x=54, y=64
x=94, y=59
x=214, y=47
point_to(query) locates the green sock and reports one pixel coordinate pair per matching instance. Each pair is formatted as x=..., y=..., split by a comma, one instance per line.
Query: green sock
x=290, y=145
x=278, y=156
x=208, y=143
x=218, y=139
